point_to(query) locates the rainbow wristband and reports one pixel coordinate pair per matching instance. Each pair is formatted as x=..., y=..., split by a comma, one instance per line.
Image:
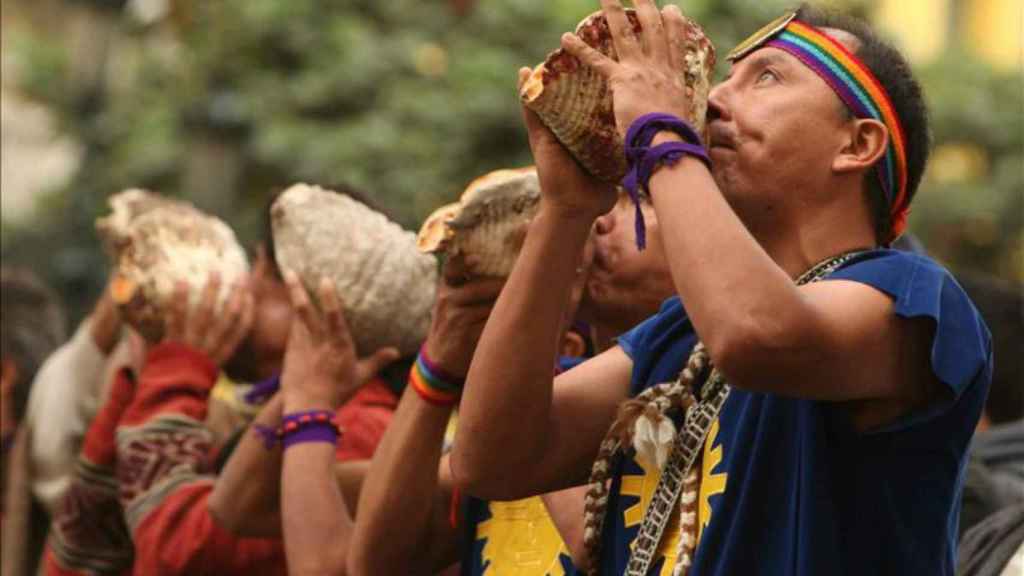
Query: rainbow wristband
x=432, y=383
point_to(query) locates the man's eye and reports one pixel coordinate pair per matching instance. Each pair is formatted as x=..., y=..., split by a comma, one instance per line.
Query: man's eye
x=765, y=76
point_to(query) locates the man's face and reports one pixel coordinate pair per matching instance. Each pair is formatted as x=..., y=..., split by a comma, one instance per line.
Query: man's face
x=774, y=128
x=625, y=285
x=261, y=353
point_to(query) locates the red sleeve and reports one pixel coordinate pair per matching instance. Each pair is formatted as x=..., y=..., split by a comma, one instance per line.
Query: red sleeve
x=162, y=448
x=180, y=537
x=88, y=534
x=364, y=419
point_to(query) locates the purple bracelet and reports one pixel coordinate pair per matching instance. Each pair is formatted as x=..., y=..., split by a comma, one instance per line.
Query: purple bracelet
x=642, y=159
x=263, y=390
x=301, y=427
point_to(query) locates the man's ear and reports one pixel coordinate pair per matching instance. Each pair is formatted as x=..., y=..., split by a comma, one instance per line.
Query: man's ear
x=866, y=144
x=573, y=345
x=8, y=375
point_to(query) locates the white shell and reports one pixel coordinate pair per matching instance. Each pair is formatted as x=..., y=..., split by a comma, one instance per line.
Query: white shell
x=488, y=224
x=155, y=242
x=386, y=285
x=653, y=439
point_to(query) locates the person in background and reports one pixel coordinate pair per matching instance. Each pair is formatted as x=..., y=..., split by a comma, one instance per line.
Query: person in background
x=65, y=397
x=504, y=537
x=32, y=325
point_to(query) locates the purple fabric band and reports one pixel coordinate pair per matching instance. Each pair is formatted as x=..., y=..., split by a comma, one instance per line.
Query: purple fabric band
x=643, y=160
x=267, y=434
x=8, y=442
x=316, y=432
x=263, y=390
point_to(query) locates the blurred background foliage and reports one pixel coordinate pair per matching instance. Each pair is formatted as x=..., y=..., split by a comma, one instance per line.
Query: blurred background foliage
x=224, y=101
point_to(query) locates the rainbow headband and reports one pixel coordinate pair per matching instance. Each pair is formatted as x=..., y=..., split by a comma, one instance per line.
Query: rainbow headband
x=855, y=85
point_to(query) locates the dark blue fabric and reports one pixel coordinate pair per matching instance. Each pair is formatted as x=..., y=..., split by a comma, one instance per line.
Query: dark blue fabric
x=805, y=493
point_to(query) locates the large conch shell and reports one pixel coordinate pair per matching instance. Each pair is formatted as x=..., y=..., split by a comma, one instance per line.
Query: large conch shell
x=155, y=242
x=574, y=101
x=386, y=285
x=487, y=225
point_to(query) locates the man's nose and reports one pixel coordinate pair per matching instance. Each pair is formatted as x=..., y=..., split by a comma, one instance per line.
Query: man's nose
x=716, y=102
x=605, y=223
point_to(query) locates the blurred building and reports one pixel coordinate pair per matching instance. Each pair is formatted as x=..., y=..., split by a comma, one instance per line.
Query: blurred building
x=990, y=29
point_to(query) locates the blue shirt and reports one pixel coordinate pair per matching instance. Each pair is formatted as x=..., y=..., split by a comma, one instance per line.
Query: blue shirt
x=788, y=486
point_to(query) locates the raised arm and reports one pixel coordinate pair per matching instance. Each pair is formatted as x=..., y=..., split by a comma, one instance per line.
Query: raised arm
x=516, y=436
x=246, y=498
x=320, y=373
x=404, y=502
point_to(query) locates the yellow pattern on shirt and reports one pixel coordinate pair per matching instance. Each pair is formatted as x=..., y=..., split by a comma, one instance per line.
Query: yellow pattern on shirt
x=642, y=486
x=521, y=540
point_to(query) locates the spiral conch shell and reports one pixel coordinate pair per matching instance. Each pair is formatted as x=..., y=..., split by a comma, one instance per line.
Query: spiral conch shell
x=575, y=102
x=155, y=242
x=386, y=285
x=488, y=224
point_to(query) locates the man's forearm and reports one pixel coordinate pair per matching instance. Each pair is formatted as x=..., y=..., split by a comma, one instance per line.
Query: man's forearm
x=510, y=379
x=246, y=498
x=401, y=496
x=317, y=524
x=736, y=295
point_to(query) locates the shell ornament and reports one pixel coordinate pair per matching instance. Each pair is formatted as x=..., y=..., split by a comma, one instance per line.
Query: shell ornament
x=575, y=102
x=386, y=285
x=154, y=242
x=487, y=226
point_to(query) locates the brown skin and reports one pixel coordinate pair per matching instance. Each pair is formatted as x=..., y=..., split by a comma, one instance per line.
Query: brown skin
x=105, y=322
x=831, y=341
x=626, y=285
x=246, y=497
x=261, y=353
x=215, y=335
x=415, y=516
x=320, y=373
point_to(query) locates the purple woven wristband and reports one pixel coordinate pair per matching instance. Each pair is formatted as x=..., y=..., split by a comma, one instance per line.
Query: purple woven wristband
x=643, y=159
x=263, y=390
x=311, y=433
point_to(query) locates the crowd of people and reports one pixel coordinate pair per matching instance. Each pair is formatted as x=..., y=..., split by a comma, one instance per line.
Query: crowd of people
x=770, y=386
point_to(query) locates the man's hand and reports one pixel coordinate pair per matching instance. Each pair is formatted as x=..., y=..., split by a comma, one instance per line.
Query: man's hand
x=460, y=313
x=321, y=369
x=216, y=335
x=649, y=74
x=565, y=186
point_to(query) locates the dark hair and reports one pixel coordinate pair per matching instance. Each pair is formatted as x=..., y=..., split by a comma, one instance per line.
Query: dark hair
x=31, y=327
x=893, y=72
x=1001, y=304
x=268, y=224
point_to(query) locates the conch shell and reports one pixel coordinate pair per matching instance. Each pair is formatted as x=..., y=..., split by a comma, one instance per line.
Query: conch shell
x=487, y=225
x=154, y=242
x=386, y=285
x=575, y=102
